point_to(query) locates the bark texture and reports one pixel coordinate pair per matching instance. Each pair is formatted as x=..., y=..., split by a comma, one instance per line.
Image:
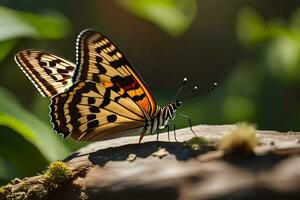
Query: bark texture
x=121, y=169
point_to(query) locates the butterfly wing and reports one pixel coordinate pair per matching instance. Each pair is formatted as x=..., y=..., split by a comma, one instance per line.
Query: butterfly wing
x=50, y=74
x=90, y=111
x=99, y=60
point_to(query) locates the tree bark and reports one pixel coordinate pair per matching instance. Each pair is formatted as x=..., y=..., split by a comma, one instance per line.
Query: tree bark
x=121, y=169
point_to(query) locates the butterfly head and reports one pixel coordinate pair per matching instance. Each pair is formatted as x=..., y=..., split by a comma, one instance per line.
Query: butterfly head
x=178, y=104
x=173, y=107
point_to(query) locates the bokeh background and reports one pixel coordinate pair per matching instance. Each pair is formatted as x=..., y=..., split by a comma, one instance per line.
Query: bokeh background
x=251, y=48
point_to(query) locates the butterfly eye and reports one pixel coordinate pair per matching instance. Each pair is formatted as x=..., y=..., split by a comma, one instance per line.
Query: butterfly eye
x=178, y=104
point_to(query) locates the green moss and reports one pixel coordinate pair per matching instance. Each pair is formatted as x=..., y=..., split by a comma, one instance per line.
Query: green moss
x=241, y=140
x=57, y=173
x=196, y=142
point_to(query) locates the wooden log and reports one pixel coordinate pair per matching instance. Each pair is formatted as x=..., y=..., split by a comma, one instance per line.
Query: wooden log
x=121, y=169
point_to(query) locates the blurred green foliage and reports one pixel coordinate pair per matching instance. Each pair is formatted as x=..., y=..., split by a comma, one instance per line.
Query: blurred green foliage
x=16, y=24
x=42, y=146
x=12, y=115
x=27, y=143
x=172, y=16
x=264, y=79
x=277, y=43
x=261, y=82
x=256, y=88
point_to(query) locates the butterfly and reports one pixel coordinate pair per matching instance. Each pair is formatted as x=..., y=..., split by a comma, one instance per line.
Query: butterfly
x=101, y=96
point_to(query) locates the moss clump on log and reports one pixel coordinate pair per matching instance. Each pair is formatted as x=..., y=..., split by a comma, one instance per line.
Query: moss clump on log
x=43, y=186
x=240, y=140
x=57, y=173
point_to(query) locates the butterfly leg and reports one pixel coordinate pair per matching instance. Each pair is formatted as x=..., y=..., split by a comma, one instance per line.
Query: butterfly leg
x=168, y=127
x=190, y=122
x=157, y=135
x=141, y=137
x=174, y=131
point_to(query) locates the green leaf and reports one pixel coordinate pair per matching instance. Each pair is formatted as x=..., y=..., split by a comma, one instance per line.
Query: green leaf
x=173, y=16
x=15, y=24
x=33, y=130
x=51, y=25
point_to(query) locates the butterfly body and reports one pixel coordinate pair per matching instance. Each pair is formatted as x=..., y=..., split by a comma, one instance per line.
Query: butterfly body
x=100, y=97
x=162, y=117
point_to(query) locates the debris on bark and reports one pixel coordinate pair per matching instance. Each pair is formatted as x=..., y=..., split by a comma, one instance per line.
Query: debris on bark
x=192, y=168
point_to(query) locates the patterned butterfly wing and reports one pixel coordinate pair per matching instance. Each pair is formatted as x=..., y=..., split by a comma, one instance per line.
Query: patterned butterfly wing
x=99, y=60
x=50, y=74
x=89, y=111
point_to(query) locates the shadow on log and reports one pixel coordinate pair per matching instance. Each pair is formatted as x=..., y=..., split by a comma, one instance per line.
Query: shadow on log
x=179, y=150
x=120, y=169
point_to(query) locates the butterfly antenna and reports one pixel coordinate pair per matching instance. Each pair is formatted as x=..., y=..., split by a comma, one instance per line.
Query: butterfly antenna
x=180, y=88
x=188, y=93
x=201, y=94
x=209, y=89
